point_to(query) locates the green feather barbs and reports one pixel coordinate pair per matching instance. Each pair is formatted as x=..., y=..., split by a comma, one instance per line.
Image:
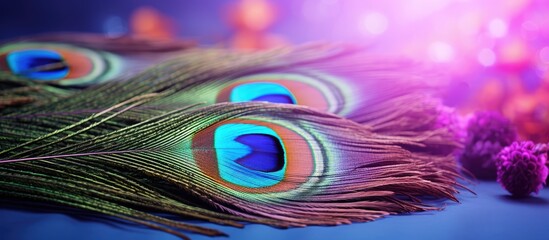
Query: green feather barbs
x=333, y=170
x=131, y=147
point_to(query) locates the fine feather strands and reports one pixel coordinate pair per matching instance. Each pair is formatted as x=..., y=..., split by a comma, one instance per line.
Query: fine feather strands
x=134, y=148
x=158, y=165
x=199, y=71
x=353, y=84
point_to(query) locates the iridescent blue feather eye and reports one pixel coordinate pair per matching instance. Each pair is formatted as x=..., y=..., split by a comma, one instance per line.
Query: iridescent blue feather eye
x=275, y=98
x=266, y=153
x=28, y=63
x=262, y=91
x=249, y=155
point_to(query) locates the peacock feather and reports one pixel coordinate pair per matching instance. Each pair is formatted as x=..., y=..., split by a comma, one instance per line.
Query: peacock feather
x=334, y=78
x=283, y=165
x=224, y=137
x=57, y=65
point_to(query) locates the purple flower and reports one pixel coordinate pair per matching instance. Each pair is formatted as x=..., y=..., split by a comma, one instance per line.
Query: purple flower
x=521, y=168
x=487, y=134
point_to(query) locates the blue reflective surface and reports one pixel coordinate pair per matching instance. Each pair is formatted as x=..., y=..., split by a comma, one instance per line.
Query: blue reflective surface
x=490, y=215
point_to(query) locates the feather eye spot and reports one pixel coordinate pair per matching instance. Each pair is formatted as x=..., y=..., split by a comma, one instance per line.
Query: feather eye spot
x=38, y=64
x=286, y=88
x=254, y=156
x=262, y=91
x=59, y=64
x=249, y=155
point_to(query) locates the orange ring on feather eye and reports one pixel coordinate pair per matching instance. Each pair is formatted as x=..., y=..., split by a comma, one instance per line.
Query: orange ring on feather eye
x=299, y=157
x=79, y=64
x=3, y=63
x=305, y=94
